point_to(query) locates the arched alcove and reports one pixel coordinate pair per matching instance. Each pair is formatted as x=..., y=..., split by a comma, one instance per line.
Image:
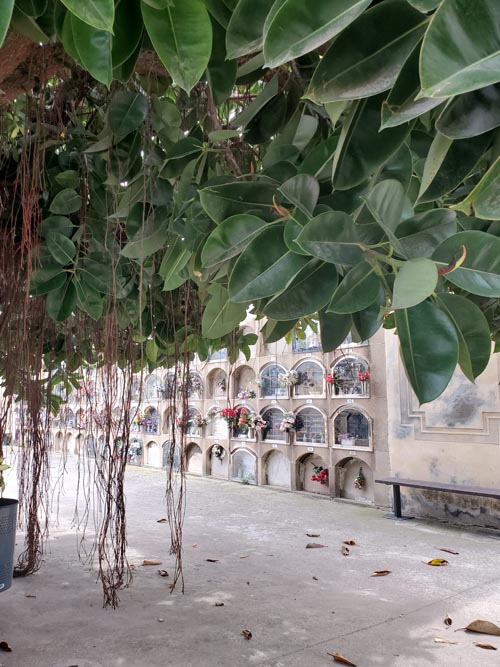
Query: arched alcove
x=311, y=380
x=354, y=480
x=217, y=383
x=171, y=454
x=152, y=454
x=277, y=469
x=194, y=459
x=169, y=386
x=352, y=428
x=168, y=420
x=58, y=441
x=69, y=418
x=218, y=461
x=273, y=416
x=192, y=427
x=244, y=466
x=244, y=384
x=217, y=425
x=195, y=387
x=351, y=376
x=309, y=468
x=68, y=443
x=78, y=444
x=136, y=389
x=151, y=420
x=91, y=446
x=312, y=426
x=270, y=386
x=241, y=427
x=152, y=389
x=135, y=451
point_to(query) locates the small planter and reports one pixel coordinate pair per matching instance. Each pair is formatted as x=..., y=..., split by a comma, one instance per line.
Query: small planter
x=348, y=442
x=8, y=517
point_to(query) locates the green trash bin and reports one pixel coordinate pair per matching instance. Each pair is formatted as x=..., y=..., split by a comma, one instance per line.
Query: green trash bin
x=8, y=517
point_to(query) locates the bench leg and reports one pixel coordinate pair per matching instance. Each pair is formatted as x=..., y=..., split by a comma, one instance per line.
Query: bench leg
x=396, y=489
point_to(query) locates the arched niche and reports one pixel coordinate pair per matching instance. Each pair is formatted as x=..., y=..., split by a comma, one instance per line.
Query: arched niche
x=270, y=386
x=241, y=427
x=273, y=416
x=194, y=459
x=354, y=480
x=151, y=420
x=312, y=426
x=69, y=418
x=244, y=466
x=352, y=428
x=78, y=444
x=311, y=379
x=58, y=441
x=168, y=420
x=68, y=443
x=244, y=384
x=192, y=427
x=152, y=389
x=169, y=386
x=351, y=375
x=135, y=451
x=307, y=467
x=217, y=383
x=217, y=425
x=91, y=446
x=171, y=455
x=152, y=454
x=277, y=469
x=195, y=386
x=310, y=342
x=136, y=389
x=218, y=461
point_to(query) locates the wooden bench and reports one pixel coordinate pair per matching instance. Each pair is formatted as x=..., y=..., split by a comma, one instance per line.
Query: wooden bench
x=397, y=483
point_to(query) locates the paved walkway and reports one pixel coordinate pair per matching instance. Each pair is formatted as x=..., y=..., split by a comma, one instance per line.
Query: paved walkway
x=298, y=603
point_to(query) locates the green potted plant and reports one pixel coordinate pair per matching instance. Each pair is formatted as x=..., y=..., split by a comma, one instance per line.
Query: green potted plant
x=8, y=517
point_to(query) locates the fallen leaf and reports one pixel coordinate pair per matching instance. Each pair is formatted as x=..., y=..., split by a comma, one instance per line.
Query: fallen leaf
x=163, y=573
x=151, y=562
x=5, y=647
x=486, y=627
x=314, y=545
x=29, y=595
x=381, y=573
x=161, y=620
x=162, y=521
x=219, y=604
x=212, y=560
x=439, y=640
x=315, y=578
x=340, y=658
x=244, y=556
x=448, y=551
x=437, y=562
x=350, y=543
x=447, y=620
x=345, y=550
x=488, y=646
x=247, y=634
x=194, y=546
x=313, y=535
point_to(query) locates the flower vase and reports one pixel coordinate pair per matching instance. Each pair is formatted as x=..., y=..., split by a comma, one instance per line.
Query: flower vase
x=251, y=434
x=364, y=388
x=288, y=437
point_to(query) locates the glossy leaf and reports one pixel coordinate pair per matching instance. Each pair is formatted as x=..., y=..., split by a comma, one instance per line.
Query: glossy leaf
x=127, y=111
x=174, y=260
x=147, y=240
x=269, y=91
x=473, y=333
x=333, y=329
x=484, y=200
x=46, y=280
x=294, y=27
x=182, y=37
x=5, y=17
x=88, y=299
x=424, y=5
x=65, y=202
x=273, y=331
x=230, y=238
x=221, y=73
x=358, y=290
x=92, y=47
x=471, y=114
x=415, y=281
x=366, y=57
x=460, y=52
x=56, y=223
x=97, y=13
x=61, y=248
x=246, y=27
x=332, y=237
x=61, y=303
x=128, y=29
x=420, y=235
x=369, y=320
x=428, y=367
x=221, y=316
x=302, y=191
x=310, y=291
x=223, y=201
x=480, y=272
x=265, y=267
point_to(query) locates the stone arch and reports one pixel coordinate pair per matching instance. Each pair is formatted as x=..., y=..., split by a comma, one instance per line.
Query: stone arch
x=68, y=443
x=152, y=387
x=168, y=420
x=218, y=464
x=276, y=469
x=312, y=425
x=194, y=459
x=151, y=420
x=269, y=382
x=305, y=468
x=217, y=383
x=171, y=453
x=273, y=415
x=346, y=472
x=311, y=378
x=217, y=426
x=244, y=466
x=348, y=371
x=244, y=385
x=58, y=441
x=152, y=454
x=195, y=387
x=135, y=451
x=352, y=428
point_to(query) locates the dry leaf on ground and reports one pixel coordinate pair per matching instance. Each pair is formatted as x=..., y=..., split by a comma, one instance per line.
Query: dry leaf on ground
x=350, y=543
x=437, y=562
x=313, y=535
x=163, y=573
x=314, y=545
x=160, y=620
x=162, y=521
x=315, y=578
x=219, y=604
x=440, y=640
x=486, y=627
x=345, y=550
x=244, y=556
x=5, y=647
x=212, y=560
x=247, y=634
x=448, y=620
x=340, y=658
x=380, y=573
x=151, y=562
x=29, y=595
x=490, y=647
x=448, y=551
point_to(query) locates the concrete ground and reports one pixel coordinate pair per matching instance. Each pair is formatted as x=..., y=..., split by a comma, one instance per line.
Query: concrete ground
x=298, y=603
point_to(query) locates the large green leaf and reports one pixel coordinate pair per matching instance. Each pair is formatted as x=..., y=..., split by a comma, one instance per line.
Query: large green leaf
x=273, y=331
x=97, y=13
x=147, y=240
x=333, y=329
x=223, y=201
x=484, y=200
x=246, y=27
x=424, y=5
x=366, y=58
x=358, y=290
x=47, y=279
x=415, y=281
x=5, y=17
x=88, y=299
x=230, y=237
x=221, y=316
x=332, y=237
x=61, y=303
x=295, y=27
x=480, y=272
x=461, y=49
x=471, y=114
x=127, y=110
x=90, y=46
x=265, y=267
x=369, y=320
x=310, y=291
x=127, y=31
x=61, y=248
x=473, y=333
x=302, y=191
x=56, y=223
x=174, y=260
x=251, y=110
x=221, y=73
x=182, y=37
x=429, y=349
x=420, y=235
x=66, y=201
